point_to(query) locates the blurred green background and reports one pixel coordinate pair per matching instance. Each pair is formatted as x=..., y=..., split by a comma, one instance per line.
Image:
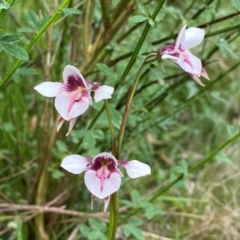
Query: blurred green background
x=173, y=125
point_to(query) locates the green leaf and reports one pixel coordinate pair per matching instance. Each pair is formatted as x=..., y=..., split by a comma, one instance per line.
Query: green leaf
x=11, y=38
x=151, y=22
x=221, y=157
x=116, y=116
x=105, y=69
x=136, y=232
x=26, y=29
x=226, y=50
x=61, y=146
x=88, y=140
x=32, y=19
x=27, y=71
x=143, y=9
x=135, y=196
x=4, y=5
x=84, y=230
x=56, y=174
x=231, y=130
x=70, y=11
x=236, y=4
x=15, y=51
x=138, y=18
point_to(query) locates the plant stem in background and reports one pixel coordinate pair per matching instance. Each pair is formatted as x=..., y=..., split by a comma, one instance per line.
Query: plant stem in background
x=110, y=126
x=5, y=11
x=34, y=40
x=113, y=216
x=129, y=103
x=191, y=170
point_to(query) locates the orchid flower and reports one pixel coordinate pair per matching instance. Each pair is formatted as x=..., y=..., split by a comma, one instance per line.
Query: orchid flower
x=73, y=96
x=178, y=52
x=102, y=176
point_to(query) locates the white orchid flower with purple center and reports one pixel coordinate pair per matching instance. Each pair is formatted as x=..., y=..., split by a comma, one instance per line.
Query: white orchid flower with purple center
x=178, y=52
x=102, y=176
x=73, y=96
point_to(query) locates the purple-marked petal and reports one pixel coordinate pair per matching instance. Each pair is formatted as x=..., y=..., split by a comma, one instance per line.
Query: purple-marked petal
x=190, y=63
x=62, y=103
x=75, y=163
x=71, y=124
x=110, y=186
x=49, y=89
x=135, y=168
x=180, y=38
x=60, y=122
x=71, y=71
x=193, y=37
x=105, y=155
x=103, y=92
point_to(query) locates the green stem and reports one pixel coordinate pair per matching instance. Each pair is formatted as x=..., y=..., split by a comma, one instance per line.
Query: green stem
x=129, y=102
x=5, y=11
x=110, y=126
x=180, y=177
x=87, y=24
x=139, y=44
x=33, y=41
x=105, y=13
x=113, y=216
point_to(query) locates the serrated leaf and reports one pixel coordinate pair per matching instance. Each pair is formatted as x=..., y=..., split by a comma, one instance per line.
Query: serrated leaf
x=151, y=22
x=138, y=18
x=105, y=69
x=70, y=11
x=15, y=51
x=143, y=9
x=32, y=18
x=11, y=38
x=236, y=4
x=4, y=5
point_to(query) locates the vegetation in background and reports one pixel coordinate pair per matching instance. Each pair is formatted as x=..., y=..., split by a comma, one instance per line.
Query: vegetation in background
x=186, y=133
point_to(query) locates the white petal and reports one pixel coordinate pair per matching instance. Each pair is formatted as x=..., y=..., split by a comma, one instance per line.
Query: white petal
x=180, y=38
x=135, y=168
x=193, y=37
x=75, y=163
x=70, y=70
x=93, y=183
x=103, y=92
x=62, y=103
x=190, y=63
x=49, y=89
